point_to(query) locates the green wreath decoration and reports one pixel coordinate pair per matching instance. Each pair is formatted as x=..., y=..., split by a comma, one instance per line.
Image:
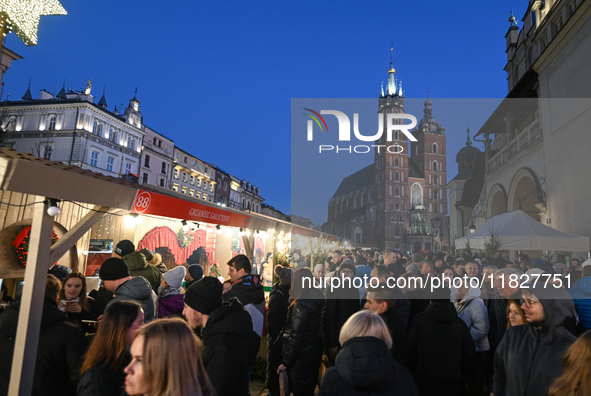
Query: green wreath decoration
x=185, y=238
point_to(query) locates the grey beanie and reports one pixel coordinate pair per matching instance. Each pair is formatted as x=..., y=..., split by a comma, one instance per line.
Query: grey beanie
x=284, y=274
x=175, y=276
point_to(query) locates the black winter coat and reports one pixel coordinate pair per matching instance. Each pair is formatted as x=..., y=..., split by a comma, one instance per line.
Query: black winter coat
x=340, y=305
x=225, y=345
x=529, y=359
x=102, y=381
x=364, y=366
x=497, y=317
x=399, y=337
x=302, y=343
x=276, y=315
x=59, y=355
x=440, y=344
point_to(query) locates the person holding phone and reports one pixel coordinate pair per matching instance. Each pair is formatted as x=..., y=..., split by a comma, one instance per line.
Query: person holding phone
x=76, y=304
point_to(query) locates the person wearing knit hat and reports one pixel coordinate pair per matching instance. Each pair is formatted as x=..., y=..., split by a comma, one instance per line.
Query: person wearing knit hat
x=194, y=273
x=147, y=254
x=226, y=332
x=284, y=274
x=116, y=279
x=170, y=294
x=137, y=263
x=348, y=264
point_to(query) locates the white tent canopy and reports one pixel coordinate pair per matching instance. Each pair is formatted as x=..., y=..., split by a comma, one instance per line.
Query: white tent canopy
x=517, y=231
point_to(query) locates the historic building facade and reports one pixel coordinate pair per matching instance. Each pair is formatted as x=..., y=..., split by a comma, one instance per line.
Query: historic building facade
x=192, y=176
x=72, y=129
x=537, y=140
x=399, y=201
x=157, y=159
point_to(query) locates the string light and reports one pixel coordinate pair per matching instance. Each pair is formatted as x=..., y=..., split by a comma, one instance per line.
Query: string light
x=22, y=16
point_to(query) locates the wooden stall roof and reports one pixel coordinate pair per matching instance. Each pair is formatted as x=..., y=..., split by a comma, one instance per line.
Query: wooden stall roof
x=26, y=173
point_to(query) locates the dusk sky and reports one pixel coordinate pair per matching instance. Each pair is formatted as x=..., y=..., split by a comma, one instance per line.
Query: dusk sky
x=218, y=77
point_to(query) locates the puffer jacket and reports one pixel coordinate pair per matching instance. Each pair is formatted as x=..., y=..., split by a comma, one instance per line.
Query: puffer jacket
x=439, y=343
x=103, y=381
x=472, y=311
x=59, y=355
x=276, y=315
x=581, y=294
x=138, y=289
x=341, y=303
x=302, y=343
x=225, y=346
x=138, y=266
x=171, y=306
x=529, y=359
x=364, y=366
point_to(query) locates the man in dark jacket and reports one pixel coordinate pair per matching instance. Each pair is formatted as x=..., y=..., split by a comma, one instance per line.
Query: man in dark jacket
x=138, y=266
x=497, y=310
x=341, y=303
x=115, y=276
x=440, y=346
x=381, y=301
x=226, y=329
x=529, y=358
x=247, y=289
x=60, y=352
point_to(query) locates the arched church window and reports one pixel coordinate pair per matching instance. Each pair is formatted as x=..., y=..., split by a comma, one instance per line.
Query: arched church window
x=434, y=148
x=396, y=162
x=416, y=194
x=397, y=191
x=396, y=176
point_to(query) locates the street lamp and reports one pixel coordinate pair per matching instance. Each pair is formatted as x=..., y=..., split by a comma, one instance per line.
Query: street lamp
x=472, y=228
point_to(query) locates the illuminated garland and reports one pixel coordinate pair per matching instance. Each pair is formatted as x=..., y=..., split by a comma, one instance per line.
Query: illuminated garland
x=20, y=245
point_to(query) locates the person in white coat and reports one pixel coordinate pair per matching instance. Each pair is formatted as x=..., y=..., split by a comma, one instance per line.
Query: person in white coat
x=472, y=311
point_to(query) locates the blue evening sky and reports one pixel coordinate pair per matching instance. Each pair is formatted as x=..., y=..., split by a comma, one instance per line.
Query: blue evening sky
x=218, y=77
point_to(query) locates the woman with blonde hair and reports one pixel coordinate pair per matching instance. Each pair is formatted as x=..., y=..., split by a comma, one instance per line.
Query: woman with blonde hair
x=102, y=370
x=576, y=370
x=365, y=364
x=166, y=361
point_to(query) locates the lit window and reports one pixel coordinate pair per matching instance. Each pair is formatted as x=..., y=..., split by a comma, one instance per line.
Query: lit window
x=184, y=177
x=192, y=180
x=176, y=173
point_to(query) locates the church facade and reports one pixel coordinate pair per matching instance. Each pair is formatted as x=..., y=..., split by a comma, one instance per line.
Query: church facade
x=400, y=200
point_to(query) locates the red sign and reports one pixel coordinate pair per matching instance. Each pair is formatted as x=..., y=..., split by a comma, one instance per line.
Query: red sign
x=150, y=203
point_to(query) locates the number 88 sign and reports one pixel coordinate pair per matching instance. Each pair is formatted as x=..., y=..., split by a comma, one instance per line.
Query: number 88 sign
x=142, y=202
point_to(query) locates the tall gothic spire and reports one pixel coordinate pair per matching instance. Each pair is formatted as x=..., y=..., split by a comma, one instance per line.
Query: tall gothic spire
x=392, y=74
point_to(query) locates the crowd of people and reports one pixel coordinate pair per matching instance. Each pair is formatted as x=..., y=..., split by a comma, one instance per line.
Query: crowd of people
x=154, y=329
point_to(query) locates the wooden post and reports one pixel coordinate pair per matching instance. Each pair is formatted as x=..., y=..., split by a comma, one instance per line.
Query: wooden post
x=29, y=320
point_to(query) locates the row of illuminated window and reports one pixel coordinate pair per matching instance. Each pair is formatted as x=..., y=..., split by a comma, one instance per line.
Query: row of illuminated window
x=114, y=135
x=95, y=161
x=194, y=181
x=190, y=192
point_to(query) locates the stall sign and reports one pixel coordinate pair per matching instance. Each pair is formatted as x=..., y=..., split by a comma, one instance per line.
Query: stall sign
x=302, y=231
x=150, y=203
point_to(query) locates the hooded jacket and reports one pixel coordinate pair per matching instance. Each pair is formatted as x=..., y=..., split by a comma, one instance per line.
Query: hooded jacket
x=365, y=366
x=472, y=311
x=529, y=359
x=581, y=294
x=59, y=355
x=225, y=344
x=138, y=266
x=439, y=343
x=251, y=295
x=139, y=290
x=302, y=342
